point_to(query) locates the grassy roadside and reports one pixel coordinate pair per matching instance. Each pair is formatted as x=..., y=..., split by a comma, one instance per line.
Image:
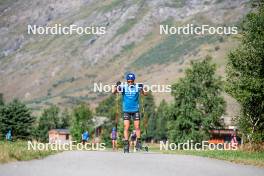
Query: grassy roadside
x=17, y=151
x=243, y=157
x=236, y=156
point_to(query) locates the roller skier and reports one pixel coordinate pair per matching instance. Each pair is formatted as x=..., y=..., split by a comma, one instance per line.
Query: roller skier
x=130, y=95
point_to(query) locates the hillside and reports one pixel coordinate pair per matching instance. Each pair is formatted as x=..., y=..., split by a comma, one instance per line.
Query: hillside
x=61, y=69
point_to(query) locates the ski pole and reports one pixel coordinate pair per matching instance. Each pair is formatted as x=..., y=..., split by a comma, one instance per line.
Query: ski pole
x=117, y=110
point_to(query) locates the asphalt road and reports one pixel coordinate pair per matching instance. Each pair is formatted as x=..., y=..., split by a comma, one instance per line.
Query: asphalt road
x=81, y=163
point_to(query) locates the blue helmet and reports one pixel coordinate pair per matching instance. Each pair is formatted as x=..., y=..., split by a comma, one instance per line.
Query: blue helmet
x=114, y=129
x=130, y=76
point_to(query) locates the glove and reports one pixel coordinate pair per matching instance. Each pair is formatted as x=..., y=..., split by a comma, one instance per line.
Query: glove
x=140, y=86
x=118, y=83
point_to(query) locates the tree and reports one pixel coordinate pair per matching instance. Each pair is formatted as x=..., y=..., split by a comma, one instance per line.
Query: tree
x=105, y=137
x=106, y=106
x=245, y=76
x=2, y=102
x=17, y=117
x=110, y=108
x=65, y=119
x=49, y=119
x=148, y=119
x=162, y=116
x=257, y=3
x=82, y=120
x=198, y=104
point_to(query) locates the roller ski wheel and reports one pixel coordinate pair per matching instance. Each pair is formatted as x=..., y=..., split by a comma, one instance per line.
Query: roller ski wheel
x=126, y=147
x=138, y=146
x=143, y=149
x=146, y=148
x=126, y=150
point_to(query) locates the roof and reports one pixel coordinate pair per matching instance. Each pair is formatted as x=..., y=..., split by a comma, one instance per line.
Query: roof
x=222, y=131
x=61, y=131
x=99, y=121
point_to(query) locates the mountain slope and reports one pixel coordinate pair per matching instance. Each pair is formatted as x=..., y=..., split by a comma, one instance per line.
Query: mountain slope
x=61, y=69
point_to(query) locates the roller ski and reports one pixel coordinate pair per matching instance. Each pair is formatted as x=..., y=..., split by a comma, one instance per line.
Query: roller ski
x=145, y=148
x=126, y=147
x=140, y=147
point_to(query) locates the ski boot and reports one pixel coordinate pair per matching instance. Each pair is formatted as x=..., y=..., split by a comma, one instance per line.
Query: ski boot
x=138, y=145
x=126, y=147
x=146, y=148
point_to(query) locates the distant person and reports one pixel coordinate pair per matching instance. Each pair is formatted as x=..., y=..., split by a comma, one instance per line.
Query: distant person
x=234, y=140
x=114, y=138
x=85, y=137
x=133, y=138
x=9, y=135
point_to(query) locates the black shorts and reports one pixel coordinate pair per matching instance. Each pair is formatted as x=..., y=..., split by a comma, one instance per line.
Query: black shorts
x=131, y=116
x=133, y=139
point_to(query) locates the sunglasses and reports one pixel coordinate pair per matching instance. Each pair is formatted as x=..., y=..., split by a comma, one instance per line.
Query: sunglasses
x=130, y=81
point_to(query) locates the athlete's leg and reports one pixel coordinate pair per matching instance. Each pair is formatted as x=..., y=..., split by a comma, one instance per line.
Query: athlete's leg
x=137, y=124
x=126, y=128
x=137, y=128
x=113, y=144
x=138, y=132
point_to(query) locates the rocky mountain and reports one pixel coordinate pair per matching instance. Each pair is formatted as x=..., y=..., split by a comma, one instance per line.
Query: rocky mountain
x=62, y=69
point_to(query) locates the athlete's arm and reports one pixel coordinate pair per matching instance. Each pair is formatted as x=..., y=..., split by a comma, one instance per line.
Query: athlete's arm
x=141, y=87
x=118, y=83
x=115, y=90
x=142, y=92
